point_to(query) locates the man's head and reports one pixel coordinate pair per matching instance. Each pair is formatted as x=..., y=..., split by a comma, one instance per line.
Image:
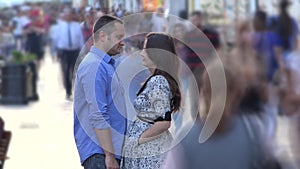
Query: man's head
x=196, y=19
x=160, y=11
x=108, y=34
x=67, y=14
x=89, y=18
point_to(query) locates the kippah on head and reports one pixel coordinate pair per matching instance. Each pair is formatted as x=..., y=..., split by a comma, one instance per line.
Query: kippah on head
x=103, y=20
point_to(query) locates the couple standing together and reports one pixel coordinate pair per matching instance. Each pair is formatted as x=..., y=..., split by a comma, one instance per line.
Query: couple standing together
x=102, y=136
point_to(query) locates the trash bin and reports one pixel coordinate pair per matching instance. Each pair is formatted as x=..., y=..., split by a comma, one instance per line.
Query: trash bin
x=13, y=84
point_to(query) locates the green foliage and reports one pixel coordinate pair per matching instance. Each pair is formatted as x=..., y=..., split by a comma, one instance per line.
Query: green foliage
x=29, y=57
x=19, y=57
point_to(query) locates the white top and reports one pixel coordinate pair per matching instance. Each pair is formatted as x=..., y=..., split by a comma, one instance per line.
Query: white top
x=159, y=24
x=20, y=23
x=53, y=31
x=62, y=35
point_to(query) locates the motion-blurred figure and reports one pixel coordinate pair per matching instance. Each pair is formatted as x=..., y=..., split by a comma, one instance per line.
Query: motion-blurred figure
x=236, y=143
x=69, y=42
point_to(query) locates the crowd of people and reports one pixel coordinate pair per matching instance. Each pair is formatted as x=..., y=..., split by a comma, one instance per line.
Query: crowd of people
x=175, y=58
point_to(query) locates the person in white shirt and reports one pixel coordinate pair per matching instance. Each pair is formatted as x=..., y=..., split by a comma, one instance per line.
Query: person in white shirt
x=69, y=43
x=159, y=22
x=18, y=22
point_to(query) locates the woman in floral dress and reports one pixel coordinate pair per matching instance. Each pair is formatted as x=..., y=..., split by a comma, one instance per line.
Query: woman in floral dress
x=148, y=138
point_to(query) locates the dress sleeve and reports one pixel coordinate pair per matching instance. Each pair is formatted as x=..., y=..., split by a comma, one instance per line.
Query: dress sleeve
x=159, y=95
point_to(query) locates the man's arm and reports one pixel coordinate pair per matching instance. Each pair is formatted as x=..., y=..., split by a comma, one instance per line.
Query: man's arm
x=95, y=87
x=104, y=138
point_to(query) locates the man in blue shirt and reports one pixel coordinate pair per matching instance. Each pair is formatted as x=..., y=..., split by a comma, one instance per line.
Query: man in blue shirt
x=99, y=104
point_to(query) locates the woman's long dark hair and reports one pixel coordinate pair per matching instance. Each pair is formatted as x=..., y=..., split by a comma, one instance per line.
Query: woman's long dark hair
x=161, y=50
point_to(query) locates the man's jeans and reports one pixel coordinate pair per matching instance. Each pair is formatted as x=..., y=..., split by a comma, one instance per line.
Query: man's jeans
x=96, y=161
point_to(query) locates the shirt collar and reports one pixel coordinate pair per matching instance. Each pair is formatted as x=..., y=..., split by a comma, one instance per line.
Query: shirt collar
x=106, y=57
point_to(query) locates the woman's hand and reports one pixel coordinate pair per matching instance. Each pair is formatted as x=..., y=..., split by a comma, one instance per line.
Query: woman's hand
x=154, y=131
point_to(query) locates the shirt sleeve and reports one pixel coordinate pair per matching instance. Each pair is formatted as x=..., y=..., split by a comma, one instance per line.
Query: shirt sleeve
x=159, y=95
x=95, y=88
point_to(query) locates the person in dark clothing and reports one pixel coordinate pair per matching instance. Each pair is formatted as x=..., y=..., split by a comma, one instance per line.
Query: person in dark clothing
x=34, y=31
x=202, y=43
x=287, y=29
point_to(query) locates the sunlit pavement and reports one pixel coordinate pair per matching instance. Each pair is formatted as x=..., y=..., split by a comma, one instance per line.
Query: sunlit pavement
x=43, y=130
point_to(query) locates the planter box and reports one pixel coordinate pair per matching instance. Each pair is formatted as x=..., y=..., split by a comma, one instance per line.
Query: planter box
x=13, y=87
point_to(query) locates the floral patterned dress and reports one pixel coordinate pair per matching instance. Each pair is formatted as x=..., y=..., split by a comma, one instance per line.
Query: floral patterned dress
x=153, y=102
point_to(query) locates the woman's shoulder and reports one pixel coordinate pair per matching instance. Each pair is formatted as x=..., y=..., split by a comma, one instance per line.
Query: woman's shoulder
x=158, y=81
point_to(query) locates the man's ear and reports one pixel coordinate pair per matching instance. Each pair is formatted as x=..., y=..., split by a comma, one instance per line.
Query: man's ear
x=102, y=36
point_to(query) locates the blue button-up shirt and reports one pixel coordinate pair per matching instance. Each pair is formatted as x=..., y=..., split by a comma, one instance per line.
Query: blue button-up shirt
x=98, y=103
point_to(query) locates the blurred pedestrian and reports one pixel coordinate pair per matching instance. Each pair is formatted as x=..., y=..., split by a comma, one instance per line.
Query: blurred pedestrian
x=148, y=138
x=287, y=29
x=120, y=12
x=18, y=22
x=202, y=42
x=69, y=43
x=159, y=22
x=290, y=102
x=252, y=73
x=53, y=32
x=235, y=133
x=99, y=103
x=87, y=29
x=7, y=42
x=244, y=59
x=265, y=42
x=179, y=31
x=34, y=32
x=87, y=24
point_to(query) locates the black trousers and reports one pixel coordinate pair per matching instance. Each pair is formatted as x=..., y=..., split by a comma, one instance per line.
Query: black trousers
x=68, y=59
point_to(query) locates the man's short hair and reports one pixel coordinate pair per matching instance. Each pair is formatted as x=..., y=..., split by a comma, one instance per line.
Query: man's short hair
x=102, y=21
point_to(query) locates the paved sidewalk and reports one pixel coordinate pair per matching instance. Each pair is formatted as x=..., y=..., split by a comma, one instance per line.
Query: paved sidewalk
x=43, y=130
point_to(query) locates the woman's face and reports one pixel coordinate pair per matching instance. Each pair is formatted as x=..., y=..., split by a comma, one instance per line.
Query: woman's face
x=146, y=61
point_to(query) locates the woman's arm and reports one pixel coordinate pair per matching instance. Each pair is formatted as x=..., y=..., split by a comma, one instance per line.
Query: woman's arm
x=154, y=131
x=159, y=94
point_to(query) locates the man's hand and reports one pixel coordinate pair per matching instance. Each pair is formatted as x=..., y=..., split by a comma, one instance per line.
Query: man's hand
x=111, y=162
